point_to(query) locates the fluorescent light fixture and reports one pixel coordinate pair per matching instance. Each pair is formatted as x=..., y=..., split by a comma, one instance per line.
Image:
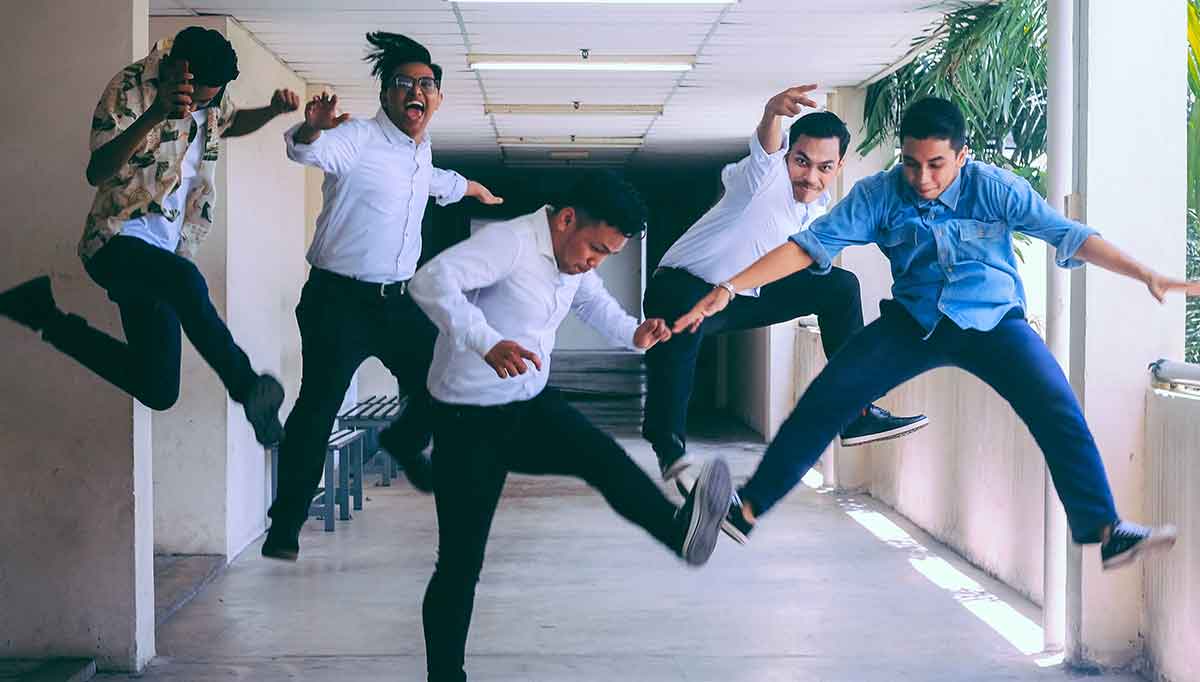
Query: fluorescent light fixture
x=602, y=2
x=572, y=155
x=576, y=108
x=581, y=62
x=571, y=141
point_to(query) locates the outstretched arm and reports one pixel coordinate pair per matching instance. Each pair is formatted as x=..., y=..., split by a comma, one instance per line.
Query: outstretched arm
x=1104, y=254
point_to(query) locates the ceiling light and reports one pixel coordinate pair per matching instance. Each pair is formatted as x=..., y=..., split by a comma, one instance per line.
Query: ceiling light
x=576, y=108
x=581, y=62
x=573, y=155
x=571, y=141
x=606, y=2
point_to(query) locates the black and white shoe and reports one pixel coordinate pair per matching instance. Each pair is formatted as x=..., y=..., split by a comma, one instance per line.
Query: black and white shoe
x=1128, y=541
x=673, y=458
x=878, y=424
x=261, y=404
x=734, y=524
x=703, y=509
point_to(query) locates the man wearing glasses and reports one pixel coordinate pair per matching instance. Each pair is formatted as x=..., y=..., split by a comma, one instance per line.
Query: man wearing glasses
x=378, y=176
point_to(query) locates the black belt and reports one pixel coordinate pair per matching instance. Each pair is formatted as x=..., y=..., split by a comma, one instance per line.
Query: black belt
x=371, y=289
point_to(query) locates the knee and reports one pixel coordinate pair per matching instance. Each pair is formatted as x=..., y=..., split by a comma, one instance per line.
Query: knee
x=159, y=397
x=192, y=281
x=845, y=284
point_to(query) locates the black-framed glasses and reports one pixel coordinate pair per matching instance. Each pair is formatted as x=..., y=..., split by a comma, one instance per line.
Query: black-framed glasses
x=428, y=85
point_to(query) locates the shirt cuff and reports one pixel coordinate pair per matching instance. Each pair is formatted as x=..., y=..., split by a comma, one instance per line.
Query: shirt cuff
x=808, y=241
x=627, y=329
x=456, y=193
x=296, y=150
x=760, y=154
x=1064, y=254
x=482, y=340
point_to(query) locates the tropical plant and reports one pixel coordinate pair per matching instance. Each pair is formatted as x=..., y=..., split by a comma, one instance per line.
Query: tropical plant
x=1192, y=319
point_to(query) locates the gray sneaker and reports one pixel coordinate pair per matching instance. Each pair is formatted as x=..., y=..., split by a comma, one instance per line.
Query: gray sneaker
x=703, y=511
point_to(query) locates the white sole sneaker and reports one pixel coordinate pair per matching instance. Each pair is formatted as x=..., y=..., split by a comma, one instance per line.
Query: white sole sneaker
x=709, y=505
x=1161, y=539
x=677, y=467
x=897, y=432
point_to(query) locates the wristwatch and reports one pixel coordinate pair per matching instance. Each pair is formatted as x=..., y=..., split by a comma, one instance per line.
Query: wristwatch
x=728, y=287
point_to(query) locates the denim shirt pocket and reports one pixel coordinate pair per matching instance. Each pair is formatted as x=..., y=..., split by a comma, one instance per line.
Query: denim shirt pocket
x=980, y=239
x=896, y=236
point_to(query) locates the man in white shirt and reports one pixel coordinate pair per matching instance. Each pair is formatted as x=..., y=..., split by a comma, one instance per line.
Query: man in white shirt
x=155, y=140
x=379, y=175
x=770, y=195
x=498, y=299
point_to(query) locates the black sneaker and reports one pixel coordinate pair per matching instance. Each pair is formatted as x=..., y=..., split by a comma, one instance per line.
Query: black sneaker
x=261, y=404
x=281, y=544
x=878, y=424
x=1128, y=541
x=734, y=524
x=702, y=511
x=31, y=304
x=673, y=458
x=412, y=460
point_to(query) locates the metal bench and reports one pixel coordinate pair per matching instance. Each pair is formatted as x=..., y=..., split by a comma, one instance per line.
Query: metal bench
x=371, y=416
x=341, y=492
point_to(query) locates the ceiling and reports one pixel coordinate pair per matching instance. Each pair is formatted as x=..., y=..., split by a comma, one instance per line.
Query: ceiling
x=744, y=53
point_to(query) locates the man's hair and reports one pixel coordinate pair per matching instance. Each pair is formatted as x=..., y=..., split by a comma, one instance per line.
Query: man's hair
x=936, y=118
x=602, y=196
x=389, y=50
x=821, y=125
x=210, y=57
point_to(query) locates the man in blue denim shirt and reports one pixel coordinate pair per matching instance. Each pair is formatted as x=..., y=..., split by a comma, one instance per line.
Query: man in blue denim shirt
x=946, y=225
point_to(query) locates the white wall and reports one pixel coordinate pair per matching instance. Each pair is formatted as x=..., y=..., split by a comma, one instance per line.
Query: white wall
x=1171, y=620
x=972, y=478
x=76, y=568
x=212, y=474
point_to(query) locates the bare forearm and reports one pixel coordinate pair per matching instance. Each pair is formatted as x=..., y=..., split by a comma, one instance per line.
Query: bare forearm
x=779, y=263
x=247, y=121
x=1104, y=254
x=770, y=133
x=107, y=160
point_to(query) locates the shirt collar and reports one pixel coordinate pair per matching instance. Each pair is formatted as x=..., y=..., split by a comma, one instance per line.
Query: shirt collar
x=395, y=135
x=541, y=234
x=948, y=198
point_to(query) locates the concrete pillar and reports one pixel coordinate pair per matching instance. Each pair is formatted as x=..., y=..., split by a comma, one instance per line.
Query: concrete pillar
x=1060, y=142
x=1116, y=327
x=76, y=569
x=211, y=475
x=850, y=468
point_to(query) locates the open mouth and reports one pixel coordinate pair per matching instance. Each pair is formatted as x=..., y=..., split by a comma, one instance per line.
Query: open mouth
x=414, y=110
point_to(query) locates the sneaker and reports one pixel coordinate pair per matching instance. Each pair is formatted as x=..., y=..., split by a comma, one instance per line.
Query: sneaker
x=280, y=544
x=418, y=469
x=878, y=424
x=1128, y=541
x=734, y=524
x=262, y=409
x=702, y=511
x=31, y=304
x=673, y=458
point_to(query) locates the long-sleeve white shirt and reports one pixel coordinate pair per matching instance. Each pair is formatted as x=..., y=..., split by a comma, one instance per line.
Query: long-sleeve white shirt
x=503, y=283
x=757, y=213
x=377, y=180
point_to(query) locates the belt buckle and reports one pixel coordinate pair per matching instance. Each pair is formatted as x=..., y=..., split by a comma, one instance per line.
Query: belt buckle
x=383, y=290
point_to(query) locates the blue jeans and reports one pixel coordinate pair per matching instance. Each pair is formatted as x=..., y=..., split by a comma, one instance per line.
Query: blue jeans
x=1011, y=358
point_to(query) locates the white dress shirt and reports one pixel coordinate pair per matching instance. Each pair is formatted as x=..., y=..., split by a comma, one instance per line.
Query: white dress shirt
x=757, y=213
x=503, y=283
x=156, y=228
x=377, y=181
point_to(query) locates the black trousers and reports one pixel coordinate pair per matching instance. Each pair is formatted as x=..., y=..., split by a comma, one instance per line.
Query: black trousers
x=158, y=292
x=342, y=323
x=474, y=449
x=671, y=366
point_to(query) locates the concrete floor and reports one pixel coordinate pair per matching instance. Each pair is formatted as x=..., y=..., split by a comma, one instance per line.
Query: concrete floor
x=571, y=592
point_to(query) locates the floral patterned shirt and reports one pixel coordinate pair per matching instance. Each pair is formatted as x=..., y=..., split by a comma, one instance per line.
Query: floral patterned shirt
x=155, y=169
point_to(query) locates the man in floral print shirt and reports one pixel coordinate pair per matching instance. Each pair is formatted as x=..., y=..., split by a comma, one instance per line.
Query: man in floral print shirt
x=154, y=147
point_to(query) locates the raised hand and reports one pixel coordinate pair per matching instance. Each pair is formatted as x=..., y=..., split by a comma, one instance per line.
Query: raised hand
x=790, y=102
x=321, y=113
x=174, y=98
x=509, y=358
x=284, y=101
x=651, y=332
x=712, y=303
x=482, y=194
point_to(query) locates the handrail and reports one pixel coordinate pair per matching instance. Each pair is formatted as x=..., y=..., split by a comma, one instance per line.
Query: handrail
x=1171, y=373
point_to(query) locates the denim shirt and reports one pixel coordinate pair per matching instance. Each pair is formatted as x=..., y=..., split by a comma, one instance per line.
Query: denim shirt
x=951, y=256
